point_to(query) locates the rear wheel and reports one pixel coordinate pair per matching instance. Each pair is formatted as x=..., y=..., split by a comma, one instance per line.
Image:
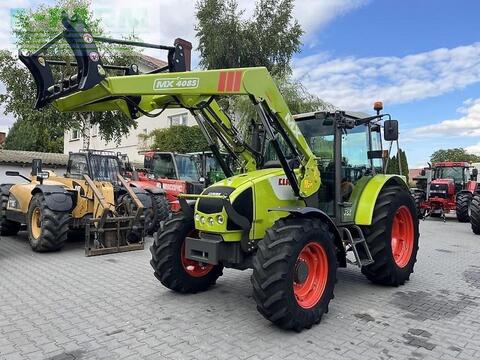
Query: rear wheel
x=47, y=229
x=7, y=227
x=463, y=202
x=170, y=265
x=392, y=238
x=475, y=214
x=294, y=272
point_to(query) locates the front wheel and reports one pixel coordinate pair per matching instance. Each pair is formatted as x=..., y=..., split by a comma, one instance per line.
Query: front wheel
x=7, y=227
x=294, y=272
x=392, y=237
x=463, y=202
x=160, y=212
x=47, y=229
x=169, y=263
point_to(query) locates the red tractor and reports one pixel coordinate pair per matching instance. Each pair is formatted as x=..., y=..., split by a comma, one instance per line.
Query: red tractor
x=449, y=186
x=171, y=173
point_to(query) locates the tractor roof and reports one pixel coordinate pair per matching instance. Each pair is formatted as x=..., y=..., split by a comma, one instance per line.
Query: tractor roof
x=452, y=164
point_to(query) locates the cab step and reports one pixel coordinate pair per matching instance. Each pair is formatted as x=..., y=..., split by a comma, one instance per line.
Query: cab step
x=353, y=237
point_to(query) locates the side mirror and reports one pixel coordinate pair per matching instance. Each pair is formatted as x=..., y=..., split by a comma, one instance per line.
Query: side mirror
x=422, y=172
x=36, y=167
x=390, y=132
x=42, y=175
x=474, y=173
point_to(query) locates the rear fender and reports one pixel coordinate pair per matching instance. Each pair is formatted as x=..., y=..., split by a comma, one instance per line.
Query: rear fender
x=317, y=213
x=155, y=190
x=368, y=198
x=56, y=197
x=143, y=196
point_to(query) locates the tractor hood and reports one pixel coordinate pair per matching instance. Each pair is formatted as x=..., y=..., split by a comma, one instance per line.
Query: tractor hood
x=244, y=203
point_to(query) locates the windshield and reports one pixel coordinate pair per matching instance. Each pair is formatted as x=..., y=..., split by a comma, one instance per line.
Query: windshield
x=187, y=169
x=455, y=173
x=164, y=166
x=104, y=168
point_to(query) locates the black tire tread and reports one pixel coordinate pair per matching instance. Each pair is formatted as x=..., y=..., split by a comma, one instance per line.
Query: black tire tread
x=463, y=201
x=7, y=227
x=55, y=226
x=271, y=265
x=166, y=261
x=383, y=270
x=160, y=212
x=475, y=214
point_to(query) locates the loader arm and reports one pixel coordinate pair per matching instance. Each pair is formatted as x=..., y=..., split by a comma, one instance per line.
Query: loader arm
x=198, y=91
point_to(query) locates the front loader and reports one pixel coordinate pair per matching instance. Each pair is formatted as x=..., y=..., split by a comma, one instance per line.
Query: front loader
x=91, y=197
x=315, y=193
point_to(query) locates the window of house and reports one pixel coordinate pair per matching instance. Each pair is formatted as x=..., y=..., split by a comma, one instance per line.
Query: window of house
x=94, y=130
x=178, y=119
x=74, y=134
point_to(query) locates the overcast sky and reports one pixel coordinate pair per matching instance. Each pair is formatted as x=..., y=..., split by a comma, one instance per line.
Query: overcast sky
x=422, y=58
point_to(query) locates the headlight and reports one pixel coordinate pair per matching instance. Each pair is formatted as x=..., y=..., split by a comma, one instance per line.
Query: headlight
x=210, y=221
x=197, y=217
x=12, y=202
x=202, y=220
x=220, y=219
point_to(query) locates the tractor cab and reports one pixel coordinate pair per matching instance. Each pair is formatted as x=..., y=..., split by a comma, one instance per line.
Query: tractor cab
x=208, y=166
x=98, y=165
x=348, y=151
x=176, y=171
x=451, y=177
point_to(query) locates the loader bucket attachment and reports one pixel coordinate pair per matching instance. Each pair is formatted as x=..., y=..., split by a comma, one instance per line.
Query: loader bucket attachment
x=112, y=232
x=91, y=70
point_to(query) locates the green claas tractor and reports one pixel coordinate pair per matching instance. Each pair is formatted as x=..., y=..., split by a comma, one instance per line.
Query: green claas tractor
x=317, y=192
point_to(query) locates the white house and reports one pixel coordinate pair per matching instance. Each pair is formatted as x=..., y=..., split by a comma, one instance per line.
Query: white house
x=132, y=143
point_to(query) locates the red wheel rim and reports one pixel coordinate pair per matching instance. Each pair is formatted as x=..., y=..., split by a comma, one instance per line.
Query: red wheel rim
x=402, y=236
x=192, y=267
x=310, y=275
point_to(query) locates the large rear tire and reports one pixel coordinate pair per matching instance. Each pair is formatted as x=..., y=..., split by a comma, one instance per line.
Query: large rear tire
x=294, y=272
x=392, y=237
x=7, y=227
x=170, y=265
x=463, y=202
x=160, y=212
x=475, y=214
x=47, y=229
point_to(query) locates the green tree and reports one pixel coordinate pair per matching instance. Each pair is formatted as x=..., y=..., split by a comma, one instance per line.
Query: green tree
x=456, y=154
x=31, y=29
x=227, y=40
x=178, y=138
x=392, y=167
x=269, y=38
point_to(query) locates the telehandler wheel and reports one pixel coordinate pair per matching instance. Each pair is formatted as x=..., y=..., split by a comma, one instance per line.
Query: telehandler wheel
x=47, y=229
x=294, y=271
x=463, y=202
x=169, y=263
x=392, y=238
x=127, y=207
x=475, y=214
x=160, y=212
x=7, y=227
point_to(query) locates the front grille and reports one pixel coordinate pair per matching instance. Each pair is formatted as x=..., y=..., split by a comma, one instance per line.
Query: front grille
x=439, y=190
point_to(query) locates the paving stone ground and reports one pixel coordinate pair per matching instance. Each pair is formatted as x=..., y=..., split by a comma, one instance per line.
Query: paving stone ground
x=66, y=306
